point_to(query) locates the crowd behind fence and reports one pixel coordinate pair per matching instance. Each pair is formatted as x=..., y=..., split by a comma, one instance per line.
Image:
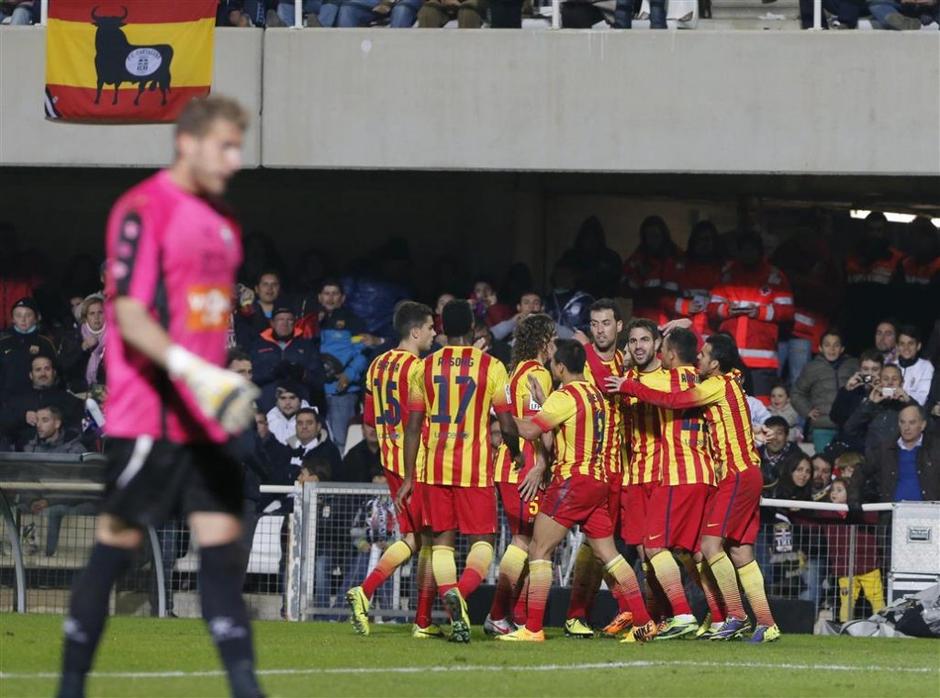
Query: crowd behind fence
x=320, y=539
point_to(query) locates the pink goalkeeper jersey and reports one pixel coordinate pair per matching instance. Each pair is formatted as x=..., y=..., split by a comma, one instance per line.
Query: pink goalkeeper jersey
x=176, y=253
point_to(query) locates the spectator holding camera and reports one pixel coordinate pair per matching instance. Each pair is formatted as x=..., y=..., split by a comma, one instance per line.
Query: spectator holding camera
x=875, y=419
x=856, y=388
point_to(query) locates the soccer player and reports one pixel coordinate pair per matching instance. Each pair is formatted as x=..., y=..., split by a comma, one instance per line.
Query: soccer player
x=519, y=484
x=578, y=494
x=732, y=519
x=601, y=351
x=450, y=399
x=386, y=408
x=172, y=256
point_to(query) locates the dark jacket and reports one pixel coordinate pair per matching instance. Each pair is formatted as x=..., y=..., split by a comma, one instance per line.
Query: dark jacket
x=874, y=423
x=73, y=360
x=818, y=385
x=62, y=444
x=360, y=464
x=16, y=356
x=13, y=413
x=846, y=402
x=325, y=450
x=249, y=450
x=877, y=479
x=271, y=361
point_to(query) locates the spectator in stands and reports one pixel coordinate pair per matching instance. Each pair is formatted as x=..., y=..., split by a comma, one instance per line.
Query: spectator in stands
x=917, y=371
x=905, y=469
x=903, y=16
x=886, y=341
x=486, y=306
x=568, y=305
x=822, y=477
x=342, y=350
x=19, y=11
x=752, y=300
x=777, y=450
x=688, y=281
x=363, y=463
x=803, y=557
x=600, y=267
x=818, y=385
x=283, y=16
x=51, y=436
x=282, y=418
x=256, y=308
x=530, y=302
x=469, y=14
x=856, y=389
x=19, y=415
x=82, y=354
x=875, y=420
x=19, y=347
x=313, y=441
x=780, y=406
x=644, y=269
x=281, y=351
x=846, y=464
x=870, y=274
x=920, y=272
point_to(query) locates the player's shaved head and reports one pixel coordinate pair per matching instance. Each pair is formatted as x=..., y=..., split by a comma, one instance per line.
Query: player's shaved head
x=457, y=318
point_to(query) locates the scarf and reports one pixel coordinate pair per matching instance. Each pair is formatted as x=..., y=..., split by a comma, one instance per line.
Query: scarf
x=94, y=360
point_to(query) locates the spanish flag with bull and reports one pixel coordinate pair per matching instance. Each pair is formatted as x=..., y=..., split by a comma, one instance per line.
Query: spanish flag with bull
x=127, y=60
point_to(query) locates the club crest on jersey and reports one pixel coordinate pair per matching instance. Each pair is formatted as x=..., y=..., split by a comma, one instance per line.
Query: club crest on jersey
x=208, y=308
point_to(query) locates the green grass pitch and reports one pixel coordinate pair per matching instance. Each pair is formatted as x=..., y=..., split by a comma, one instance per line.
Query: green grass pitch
x=149, y=657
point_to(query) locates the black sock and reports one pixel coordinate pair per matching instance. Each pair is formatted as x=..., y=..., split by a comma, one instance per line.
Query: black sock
x=88, y=610
x=220, y=589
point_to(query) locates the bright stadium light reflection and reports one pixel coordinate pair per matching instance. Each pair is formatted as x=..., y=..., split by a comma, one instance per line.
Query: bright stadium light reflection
x=892, y=216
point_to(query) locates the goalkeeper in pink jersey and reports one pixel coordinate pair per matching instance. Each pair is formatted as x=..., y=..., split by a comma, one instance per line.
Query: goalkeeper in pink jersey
x=173, y=251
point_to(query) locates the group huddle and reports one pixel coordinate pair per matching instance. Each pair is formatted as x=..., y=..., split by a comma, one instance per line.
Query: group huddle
x=652, y=445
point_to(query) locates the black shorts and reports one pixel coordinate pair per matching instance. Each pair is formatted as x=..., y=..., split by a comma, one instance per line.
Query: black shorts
x=152, y=480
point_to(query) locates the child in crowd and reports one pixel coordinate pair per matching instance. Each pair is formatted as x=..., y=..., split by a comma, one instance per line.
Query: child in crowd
x=780, y=406
x=847, y=463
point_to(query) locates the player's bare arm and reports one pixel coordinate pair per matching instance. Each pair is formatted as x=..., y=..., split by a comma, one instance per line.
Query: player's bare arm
x=412, y=441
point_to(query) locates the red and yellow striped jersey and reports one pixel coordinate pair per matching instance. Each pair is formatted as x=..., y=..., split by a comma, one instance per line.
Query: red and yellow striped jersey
x=613, y=418
x=731, y=438
x=645, y=427
x=386, y=404
x=686, y=459
x=523, y=404
x=576, y=411
x=455, y=390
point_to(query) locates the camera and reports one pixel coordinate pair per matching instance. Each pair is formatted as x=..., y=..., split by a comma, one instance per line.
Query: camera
x=867, y=379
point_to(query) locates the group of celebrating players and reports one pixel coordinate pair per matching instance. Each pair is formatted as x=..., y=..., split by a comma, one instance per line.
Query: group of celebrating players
x=654, y=445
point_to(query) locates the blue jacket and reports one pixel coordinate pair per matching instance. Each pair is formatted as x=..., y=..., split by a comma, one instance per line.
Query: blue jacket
x=339, y=337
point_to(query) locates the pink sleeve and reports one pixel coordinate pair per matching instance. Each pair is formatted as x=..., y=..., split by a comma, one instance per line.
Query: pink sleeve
x=133, y=254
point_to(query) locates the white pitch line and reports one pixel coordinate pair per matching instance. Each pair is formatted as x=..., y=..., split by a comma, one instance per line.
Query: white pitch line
x=637, y=664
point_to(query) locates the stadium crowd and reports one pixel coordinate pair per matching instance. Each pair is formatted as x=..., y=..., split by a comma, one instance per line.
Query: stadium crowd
x=838, y=355
x=899, y=15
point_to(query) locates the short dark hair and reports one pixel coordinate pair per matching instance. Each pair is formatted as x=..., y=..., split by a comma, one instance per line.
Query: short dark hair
x=570, y=354
x=777, y=421
x=872, y=355
x=832, y=332
x=309, y=410
x=724, y=351
x=780, y=384
x=410, y=315
x=267, y=272
x=319, y=466
x=332, y=281
x=42, y=355
x=236, y=354
x=55, y=411
x=606, y=304
x=645, y=324
x=457, y=318
x=199, y=114
x=910, y=331
x=684, y=342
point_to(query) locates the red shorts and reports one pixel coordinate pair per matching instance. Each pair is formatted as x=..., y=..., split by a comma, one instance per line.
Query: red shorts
x=520, y=515
x=470, y=510
x=615, y=483
x=579, y=500
x=634, y=504
x=409, y=520
x=674, y=517
x=734, y=510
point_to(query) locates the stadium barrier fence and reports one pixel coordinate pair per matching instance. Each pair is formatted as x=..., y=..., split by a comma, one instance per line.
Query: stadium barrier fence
x=311, y=543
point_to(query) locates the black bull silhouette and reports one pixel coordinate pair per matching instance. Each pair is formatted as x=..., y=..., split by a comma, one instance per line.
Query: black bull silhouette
x=112, y=50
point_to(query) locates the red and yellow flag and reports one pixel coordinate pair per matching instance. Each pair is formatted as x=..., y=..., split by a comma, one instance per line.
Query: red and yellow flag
x=127, y=60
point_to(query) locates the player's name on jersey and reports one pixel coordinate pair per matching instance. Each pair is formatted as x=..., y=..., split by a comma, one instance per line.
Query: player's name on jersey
x=455, y=361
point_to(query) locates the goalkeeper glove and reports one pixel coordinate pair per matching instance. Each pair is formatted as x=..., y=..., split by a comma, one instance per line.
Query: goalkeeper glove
x=223, y=396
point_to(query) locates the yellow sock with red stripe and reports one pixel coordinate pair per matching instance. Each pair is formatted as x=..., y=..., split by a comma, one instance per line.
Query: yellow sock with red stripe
x=426, y=588
x=727, y=581
x=753, y=582
x=394, y=556
x=445, y=568
x=520, y=610
x=510, y=569
x=479, y=560
x=670, y=577
x=540, y=583
x=626, y=580
x=582, y=583
x=703, y=577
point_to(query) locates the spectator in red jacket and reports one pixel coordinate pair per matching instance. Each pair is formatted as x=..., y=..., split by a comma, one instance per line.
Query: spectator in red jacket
x=644, y=269
x=751, y=301
x=688, y=281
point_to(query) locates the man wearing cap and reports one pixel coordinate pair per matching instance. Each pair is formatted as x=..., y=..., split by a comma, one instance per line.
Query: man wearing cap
x=18, y=348
x=281, y=352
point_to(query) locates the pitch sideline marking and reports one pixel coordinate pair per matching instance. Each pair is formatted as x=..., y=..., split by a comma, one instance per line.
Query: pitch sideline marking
x=637, y=664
